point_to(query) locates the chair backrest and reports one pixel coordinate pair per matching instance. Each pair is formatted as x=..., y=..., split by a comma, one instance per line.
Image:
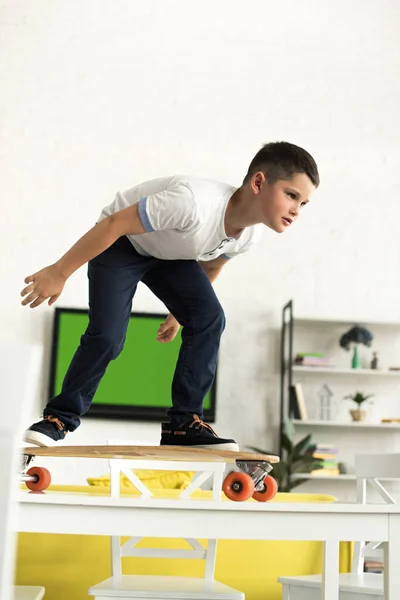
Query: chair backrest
x=20, y=365
x=377, y=466
x=195, y=551
x=370, y=470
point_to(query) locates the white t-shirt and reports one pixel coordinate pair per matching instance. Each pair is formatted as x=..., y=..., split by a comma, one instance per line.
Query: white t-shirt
x=184, y=219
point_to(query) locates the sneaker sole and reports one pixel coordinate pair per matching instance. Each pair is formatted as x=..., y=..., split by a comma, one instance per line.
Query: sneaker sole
x=224, y=446
x=38, y=439
x=228, y=446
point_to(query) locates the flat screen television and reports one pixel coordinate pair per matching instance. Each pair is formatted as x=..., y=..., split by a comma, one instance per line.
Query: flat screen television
x=137, y=384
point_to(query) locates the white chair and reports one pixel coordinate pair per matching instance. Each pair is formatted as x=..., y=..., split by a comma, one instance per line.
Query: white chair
x=158, y=587
x=20, y=367
x=357, y=585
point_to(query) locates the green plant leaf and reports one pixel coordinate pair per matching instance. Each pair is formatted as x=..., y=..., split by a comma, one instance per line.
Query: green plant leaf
x=279, y=472
x=301, y=446
x=287, y=443
x=358, y=397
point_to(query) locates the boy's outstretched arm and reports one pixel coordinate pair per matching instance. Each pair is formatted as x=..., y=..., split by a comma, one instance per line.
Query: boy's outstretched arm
x=49, y=282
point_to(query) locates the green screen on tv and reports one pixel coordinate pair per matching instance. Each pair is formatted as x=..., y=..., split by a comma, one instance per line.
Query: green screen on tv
x=137, y=384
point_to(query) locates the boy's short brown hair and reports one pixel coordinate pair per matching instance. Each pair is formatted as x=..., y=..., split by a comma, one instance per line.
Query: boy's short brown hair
x=282, y=160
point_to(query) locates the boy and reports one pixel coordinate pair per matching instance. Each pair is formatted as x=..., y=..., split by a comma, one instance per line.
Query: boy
x=174, y=234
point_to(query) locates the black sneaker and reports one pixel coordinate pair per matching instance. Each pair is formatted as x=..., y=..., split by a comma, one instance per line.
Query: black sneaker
x=46, y=433
x=194, y=433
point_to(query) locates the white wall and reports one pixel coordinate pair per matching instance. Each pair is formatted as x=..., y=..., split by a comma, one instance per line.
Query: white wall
x=100, y=95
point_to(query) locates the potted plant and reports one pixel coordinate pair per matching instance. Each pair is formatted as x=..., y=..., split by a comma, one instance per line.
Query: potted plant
x=359, y=398
x=296, y=458
x=356, y=335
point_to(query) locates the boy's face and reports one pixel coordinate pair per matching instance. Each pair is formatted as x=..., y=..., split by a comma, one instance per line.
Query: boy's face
x=280, y=203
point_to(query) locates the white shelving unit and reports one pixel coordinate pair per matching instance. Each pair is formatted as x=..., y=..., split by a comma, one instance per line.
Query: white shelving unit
x=305, y=334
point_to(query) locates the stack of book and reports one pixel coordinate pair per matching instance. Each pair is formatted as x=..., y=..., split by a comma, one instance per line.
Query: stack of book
x=311, y=359
x=328, y=454
x=298, y=409
x=373, y=566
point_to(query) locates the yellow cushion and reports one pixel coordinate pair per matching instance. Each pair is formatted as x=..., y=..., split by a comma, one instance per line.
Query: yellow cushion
x=173, y=480
x=103, y=489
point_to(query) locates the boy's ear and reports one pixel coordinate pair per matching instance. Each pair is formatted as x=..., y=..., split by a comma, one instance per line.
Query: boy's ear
x=257, y=181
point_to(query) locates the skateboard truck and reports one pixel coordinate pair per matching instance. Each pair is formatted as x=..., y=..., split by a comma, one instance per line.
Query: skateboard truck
x=257, y=471
x=26, y=461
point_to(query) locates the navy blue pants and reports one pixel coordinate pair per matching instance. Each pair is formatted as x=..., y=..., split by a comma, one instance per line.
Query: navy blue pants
x=188, y=294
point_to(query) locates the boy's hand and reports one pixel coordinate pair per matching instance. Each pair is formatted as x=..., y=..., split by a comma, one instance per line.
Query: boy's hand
x=47, y=283
x=168, y=330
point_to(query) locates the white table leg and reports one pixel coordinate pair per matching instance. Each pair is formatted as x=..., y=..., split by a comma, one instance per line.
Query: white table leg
x=330, y=571
x=392, y=560
x=285, y=592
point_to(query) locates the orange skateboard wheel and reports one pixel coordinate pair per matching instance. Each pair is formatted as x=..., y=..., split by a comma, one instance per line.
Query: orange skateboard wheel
x=42, y=476
x=269, y=491
x=238, y=486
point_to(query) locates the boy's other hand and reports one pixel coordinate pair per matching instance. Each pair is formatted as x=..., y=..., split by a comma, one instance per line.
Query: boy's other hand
x=47, y=283
x=168, y=330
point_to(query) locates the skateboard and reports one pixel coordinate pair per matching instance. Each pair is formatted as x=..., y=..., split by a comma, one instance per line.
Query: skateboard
x=251, y=479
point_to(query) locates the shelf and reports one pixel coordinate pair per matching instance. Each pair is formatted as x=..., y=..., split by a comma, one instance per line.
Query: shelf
x=353, y=372
x=354, y=424
x=333, y=477
x=346, y=477
x=342, y=322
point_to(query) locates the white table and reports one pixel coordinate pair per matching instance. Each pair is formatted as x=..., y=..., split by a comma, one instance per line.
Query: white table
x=331, y=523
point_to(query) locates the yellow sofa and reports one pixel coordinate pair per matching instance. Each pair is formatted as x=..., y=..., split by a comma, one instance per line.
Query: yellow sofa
x=67, y=565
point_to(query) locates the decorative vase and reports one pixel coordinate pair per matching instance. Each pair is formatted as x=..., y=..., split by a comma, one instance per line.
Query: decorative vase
x=358, y=415
x=356, y=363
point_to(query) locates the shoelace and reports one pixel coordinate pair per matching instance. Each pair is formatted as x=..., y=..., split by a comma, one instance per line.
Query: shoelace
x=197, y=423
x=56, y=421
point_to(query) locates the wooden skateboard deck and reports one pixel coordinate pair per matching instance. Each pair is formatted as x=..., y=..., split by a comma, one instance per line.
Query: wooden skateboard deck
x=150, y=453
x=252, y=480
